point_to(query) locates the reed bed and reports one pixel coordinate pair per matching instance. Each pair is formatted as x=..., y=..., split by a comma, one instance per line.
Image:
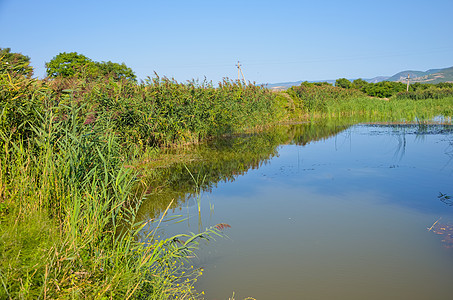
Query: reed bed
x=68, y=205
x=68, y=221
x=163, y=112
x=325, y=101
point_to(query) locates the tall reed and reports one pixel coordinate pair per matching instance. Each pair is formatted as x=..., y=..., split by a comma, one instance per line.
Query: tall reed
x=68, y=211
x=313, y=102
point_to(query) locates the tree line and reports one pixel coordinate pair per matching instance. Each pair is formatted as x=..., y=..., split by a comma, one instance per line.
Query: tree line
x=65, y=65
x=387, y=89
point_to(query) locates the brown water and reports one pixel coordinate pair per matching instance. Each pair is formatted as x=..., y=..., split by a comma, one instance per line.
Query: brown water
x=345, y=217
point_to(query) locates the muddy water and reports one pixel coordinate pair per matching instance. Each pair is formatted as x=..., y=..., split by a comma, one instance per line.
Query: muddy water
x=362, y=214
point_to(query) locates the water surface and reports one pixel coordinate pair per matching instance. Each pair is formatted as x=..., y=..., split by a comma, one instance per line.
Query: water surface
x=341, y=216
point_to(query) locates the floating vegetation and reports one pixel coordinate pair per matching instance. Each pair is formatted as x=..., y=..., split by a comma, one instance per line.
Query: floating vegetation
x=445, y=230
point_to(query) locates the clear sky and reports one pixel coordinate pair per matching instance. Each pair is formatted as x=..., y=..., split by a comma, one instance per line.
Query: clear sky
x=275, y=41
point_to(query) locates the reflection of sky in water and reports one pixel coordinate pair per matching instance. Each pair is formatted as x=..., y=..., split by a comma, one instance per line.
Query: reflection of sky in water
x=410, y=173
x=344, y=218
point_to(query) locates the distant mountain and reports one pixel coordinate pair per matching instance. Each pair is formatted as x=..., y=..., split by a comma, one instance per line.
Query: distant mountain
x=402, y=76
x=377, y=79
x=282, y=85
x=287, y=85
x=430, y=76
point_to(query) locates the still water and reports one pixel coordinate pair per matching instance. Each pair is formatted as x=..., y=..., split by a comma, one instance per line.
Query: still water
x=360, y=213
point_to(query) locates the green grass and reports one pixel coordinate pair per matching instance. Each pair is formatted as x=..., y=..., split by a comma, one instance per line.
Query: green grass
x=393, y=110
x=308, y=102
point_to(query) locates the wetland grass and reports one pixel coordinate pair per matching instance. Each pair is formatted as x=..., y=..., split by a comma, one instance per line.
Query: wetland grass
x=311, y=102
x=68, y=226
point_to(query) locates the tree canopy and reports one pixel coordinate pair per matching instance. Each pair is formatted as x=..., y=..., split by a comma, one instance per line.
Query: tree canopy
x=343, y=82
x=78, y=65
x=70, y=65
x=359, y=84
x=116, y=70
x=14, y=63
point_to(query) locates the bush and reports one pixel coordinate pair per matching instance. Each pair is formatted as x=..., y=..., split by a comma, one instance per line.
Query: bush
x=423, y=94
x=384, y=89
x=14, y=64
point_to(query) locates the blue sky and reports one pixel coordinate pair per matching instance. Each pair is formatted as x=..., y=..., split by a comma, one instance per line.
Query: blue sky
x=275, y=41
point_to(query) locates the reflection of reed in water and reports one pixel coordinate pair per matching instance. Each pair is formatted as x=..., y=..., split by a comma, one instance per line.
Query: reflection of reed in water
x=220, y=160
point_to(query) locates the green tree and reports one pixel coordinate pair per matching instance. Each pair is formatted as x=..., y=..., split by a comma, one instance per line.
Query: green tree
x=71, y=65
x=311, y=84
x=324, y=83
x=14, y=63
x=78, y=65
x=385, y=89
x=359, y=84
x=343, y=83
x=115, y=70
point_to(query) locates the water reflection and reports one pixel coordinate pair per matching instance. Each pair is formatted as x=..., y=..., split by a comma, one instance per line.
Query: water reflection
x=223, y=160
x=321, y=212
x=445, y=230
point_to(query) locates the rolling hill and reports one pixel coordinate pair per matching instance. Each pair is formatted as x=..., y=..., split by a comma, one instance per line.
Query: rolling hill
x=429, y=76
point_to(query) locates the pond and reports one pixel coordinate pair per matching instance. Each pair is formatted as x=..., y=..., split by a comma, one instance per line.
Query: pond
x=321, y=212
